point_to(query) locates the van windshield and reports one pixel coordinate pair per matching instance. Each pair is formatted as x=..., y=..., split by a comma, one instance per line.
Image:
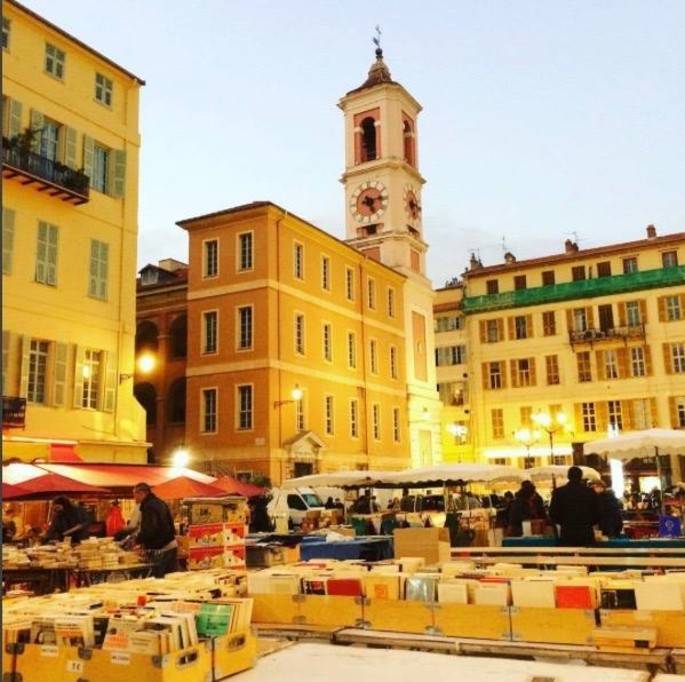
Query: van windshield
x=312, y=500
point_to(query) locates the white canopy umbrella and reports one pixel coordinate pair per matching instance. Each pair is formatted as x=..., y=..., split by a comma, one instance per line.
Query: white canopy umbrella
x=554, y=472
x=449, y=474
x=336, y=479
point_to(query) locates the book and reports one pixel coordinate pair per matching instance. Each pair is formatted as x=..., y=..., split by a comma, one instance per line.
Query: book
x=314, y=585
x=420, y=588
x=146, y=642
x=453, y=593
x=351, y=587
x=617, y=598
x=382, y=586
x=43, y=630
x=214, y=619
x=242, y=614
x=570, y=596
x=535, y=593
x=71, y=630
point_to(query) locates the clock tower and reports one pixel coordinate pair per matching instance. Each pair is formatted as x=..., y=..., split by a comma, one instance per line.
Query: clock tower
x=384, y=220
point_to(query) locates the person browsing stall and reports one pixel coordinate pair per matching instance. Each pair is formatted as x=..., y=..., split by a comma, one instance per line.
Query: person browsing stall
x=157, y=534
x=66, y=522
x=575, y=508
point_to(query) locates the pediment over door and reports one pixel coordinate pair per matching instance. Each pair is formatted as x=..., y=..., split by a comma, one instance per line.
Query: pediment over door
x=305, y=446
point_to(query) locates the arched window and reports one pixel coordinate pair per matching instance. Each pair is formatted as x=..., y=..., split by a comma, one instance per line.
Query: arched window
x=146, y=395
x=409, y=147
x=369, y=146
x=176, y=402
x=178, y=337
x=147, y=337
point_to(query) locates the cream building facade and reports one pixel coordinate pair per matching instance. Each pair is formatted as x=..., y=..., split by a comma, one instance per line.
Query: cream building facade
x=70, y=211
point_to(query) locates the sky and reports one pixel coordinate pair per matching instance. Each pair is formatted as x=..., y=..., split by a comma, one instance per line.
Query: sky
x=543, y=120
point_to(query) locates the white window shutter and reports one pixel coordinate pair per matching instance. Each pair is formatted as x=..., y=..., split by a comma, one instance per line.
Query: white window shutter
x=88, y=151
x=52, y=250
x=79, y=361
x=14, y=119
x=110, y=388
x=70, y=138
x=25, y=360
x=118, y=179
x=7, y=240
x=60, y=379
x=37, y=123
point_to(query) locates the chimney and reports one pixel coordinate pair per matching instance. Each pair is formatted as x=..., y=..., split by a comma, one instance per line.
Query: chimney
x=651, y=232
x=509, y=258
x=474, y=263
x=570, y=247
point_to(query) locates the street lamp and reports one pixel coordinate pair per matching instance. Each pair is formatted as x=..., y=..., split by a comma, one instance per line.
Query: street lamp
x=527, y=438
x=551, y=424
x=459, y=431
x=295, y=395
x=180, y=457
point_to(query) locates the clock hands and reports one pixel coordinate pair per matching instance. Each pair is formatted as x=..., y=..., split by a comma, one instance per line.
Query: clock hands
x=369, y=201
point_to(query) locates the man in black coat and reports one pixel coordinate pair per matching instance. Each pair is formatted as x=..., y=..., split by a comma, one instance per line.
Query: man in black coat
x=575, y=507
x=157, y=533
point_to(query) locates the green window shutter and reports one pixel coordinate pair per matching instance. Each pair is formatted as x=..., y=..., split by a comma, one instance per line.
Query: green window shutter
x=52, y=248
x=42, y=252
x=118, y=170
x=93, y=269
x=70, y=138
x=88, y=150
x=103, y=273
x=14, y=119
x=5, y=360
x=110, y=382
x=60, y=380
x=37, y=123
x=25, y=359
x=79, y=361
x=7, y=240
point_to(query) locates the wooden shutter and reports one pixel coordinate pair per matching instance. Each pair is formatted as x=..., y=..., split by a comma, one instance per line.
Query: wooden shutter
x=511, y=328
x=602, y=416
x=661, y=305
x=110, y=382
x=52, y=251
x=486, y=376
x=25, y=361
x=649, y=367
x=531, y=366
x=529, y=327
x=5, y=360
x=37, y=123
x=88, y=152
x=668, y=364
x=14, y=119
x=643, y=310
x=628, y=414
x=623, y=360
x=503, y=372
x=578, y=416
x=70, y=140
x=59, y=385
x=653, y=414
x=500, y=329
x=590, y=312
x=673, y=412
x=601, y=365
x=42, y=252
x=118, y=173
x=483, y=326
x=79, y=361
x=513, y=366
x=622, y=314
x=569, y=320
x=7, y=240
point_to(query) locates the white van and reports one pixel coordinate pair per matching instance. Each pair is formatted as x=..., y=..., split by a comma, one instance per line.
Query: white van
x=293, y=504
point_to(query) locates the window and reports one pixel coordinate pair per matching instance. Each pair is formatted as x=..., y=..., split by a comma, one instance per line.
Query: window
x=327, y=342
x=523, y=372
x=300, y=422
x=673, y=309
x=549, y=323
x=669, y=259
x=629, y=265
x=349, y=284
x=46, y=253
x=450, y=355
x=642, y=416
x=396, y=424
x=245, y=327
x=376, y=421
x=548, y=278
x=103, y=90
x=328, y=411
x=492, y=286
x=678, y=357
x=101, y=160
x=492, y=331
x=589, y=417
x=54, y=61
x=552, y=369
x=351, y=350
x=354, y=418
x=245, y=407
x=298, y=261
x=373, y=356
x=584, y=367
x=615, y=414
x=6, y=28
x=210, y=320
x=245, y=251
x=209, y=405
x=391, y=302
x=92, y=368
x=299, y=334
x=580, y=320
x=633, y=317
x=520, y=282
x=604, y=269
x=611, y=364
x=448, y=323
x=7, y=240
x=325, y=273
x=497, y=422
x=578, y=273
x=371, y=294
x=520, y=327
x=37, y=378
x=680, y=412
x=495, y=375
x=638, y=368
x=393, y=362
x=210, y=265
x=99, y=270
x=49, y=140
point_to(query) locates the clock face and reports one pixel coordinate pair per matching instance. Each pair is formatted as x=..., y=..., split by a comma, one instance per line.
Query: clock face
x=369, y=201
x=412, y=207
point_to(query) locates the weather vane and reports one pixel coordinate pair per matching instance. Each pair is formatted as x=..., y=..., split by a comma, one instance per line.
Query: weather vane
x=377, y=38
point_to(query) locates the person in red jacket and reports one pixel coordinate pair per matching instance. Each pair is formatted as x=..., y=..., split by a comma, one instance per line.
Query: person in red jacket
x=115, y=520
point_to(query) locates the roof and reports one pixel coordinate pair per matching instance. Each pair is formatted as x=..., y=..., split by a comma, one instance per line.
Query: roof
x=379, y=73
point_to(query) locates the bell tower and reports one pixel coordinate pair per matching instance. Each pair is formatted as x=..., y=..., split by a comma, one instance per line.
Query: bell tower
x=384, y=220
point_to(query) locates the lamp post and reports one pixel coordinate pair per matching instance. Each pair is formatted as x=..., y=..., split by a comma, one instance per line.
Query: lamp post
x=459, y=431
x=551, y=424
x=295, y=395
x=527, y=438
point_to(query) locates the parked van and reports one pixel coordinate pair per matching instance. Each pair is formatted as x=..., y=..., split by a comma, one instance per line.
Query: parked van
x=293, y=504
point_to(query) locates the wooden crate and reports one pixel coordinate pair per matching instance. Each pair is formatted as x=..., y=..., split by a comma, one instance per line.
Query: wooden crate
x=670, y=625
x=397, y=615
x=341, y=611
x=473, y=620
x=552, y=626
x=276, y=608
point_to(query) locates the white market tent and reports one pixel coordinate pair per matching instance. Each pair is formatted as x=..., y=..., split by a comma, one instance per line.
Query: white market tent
x=336, y=479
x=453, y=474
x=646, y=443
x=556, y=473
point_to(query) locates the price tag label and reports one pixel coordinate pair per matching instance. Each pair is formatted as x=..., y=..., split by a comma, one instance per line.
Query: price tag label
x=74, y=666
x=49, y=650
x=120, y=658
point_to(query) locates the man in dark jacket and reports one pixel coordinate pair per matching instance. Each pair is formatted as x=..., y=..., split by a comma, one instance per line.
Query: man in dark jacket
x=575, y=507
x=157, y=533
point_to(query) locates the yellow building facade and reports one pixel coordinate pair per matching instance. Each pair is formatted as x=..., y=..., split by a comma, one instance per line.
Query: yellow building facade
x=564, y=348
x=70, y=223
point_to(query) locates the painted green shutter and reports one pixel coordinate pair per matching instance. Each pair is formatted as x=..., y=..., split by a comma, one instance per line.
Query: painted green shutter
x=60, y=381
x=25, y=360
x=5, y=359
x=110, y=382
x=88, y=151
x=79, y=361
x=118, y=173
x=70, y=138
x=103, y=271
x=41, y=252
x=52, y=244
x=14, y=119
x=7, y=240
x=37, y=123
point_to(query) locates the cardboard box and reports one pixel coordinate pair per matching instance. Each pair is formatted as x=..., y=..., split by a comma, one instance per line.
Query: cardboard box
x=433, y=544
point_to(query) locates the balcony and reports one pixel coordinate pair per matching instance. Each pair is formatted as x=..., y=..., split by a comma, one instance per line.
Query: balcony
x=49, y=176
x=592, y=336
x=571, y=291
x=13, y=412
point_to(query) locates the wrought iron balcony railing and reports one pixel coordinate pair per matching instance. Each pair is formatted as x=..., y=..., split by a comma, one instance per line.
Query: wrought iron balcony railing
x=635, y=331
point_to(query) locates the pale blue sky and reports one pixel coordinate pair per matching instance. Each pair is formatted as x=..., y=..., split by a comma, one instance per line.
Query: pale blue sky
x=543, y=119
